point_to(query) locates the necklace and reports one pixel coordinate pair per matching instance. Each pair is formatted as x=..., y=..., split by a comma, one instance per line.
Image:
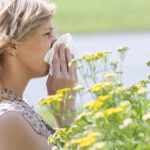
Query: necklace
x=4, y=97
x=7, y=94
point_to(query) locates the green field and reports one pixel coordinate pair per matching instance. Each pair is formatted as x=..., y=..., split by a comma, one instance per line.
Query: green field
x=92, y=16
x=46, y=115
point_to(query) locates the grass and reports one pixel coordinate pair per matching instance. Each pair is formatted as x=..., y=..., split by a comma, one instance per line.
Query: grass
x=46, y=115
x=86, y=16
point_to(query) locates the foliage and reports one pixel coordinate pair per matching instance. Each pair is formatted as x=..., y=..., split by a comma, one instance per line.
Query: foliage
x=85, y=16
x=116, y=118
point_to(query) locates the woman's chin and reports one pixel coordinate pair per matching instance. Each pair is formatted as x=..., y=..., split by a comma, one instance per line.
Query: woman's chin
x=46, y=72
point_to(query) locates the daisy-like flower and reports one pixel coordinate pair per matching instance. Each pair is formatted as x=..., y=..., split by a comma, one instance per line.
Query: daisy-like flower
x=98, y=115
x=146, y=116
x=126, y=122
x=84, y=114
x=98, y=146
x=120, y=90
x=78, y=87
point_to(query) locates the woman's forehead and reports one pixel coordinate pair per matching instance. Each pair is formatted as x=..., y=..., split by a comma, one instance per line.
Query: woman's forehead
x=47, y=26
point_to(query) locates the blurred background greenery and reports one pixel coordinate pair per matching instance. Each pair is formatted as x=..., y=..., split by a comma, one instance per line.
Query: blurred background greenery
x=92, y=16
x=46, y=115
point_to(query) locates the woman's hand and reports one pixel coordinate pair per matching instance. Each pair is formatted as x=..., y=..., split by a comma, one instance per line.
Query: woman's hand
x=63, y=75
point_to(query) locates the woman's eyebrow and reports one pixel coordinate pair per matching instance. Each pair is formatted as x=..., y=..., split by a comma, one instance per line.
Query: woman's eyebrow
x=50, y=28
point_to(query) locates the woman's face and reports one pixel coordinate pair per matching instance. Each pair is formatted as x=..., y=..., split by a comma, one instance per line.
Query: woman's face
x=31, y=53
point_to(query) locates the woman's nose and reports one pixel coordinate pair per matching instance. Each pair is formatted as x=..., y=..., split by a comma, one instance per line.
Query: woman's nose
x=53, y=40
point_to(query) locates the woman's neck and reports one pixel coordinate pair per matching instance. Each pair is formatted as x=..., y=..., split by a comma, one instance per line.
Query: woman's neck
x=15, y=80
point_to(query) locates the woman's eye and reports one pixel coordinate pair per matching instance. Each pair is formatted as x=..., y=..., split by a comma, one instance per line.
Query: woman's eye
x=47, y=34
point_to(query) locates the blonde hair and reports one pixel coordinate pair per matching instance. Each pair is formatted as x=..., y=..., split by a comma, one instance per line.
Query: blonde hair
x=19, y=19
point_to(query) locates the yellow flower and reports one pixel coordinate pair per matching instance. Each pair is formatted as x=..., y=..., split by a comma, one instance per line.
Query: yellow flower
x=63, y=91
x=42, y=102
x=88, y=138
x=94, y=105
x=87, y=141
x=110, y=75
x=103, y=53
x=52, y=98
x=112, y=110
x=59, y=133
x=74, y=141
x=97, y=87
x=103, y=98
x=89, y=58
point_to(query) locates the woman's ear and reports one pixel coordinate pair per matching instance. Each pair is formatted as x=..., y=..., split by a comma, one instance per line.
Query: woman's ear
x=11, y=50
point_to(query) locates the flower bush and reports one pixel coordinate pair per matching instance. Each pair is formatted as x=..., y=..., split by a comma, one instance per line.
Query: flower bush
x=115, y=118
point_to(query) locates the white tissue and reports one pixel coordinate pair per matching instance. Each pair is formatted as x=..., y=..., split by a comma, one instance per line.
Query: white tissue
x=67, y=40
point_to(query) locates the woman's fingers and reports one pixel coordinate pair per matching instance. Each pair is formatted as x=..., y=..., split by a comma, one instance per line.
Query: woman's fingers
x=71, y=70
x=62, y=57
x=56, y=63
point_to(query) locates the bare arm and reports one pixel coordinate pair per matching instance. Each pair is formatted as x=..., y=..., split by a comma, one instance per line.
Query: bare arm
x=17, y=134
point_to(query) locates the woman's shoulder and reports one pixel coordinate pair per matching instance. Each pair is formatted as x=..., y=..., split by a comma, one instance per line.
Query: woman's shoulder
x=16, y=133
x=28, y=113
x=11, y=119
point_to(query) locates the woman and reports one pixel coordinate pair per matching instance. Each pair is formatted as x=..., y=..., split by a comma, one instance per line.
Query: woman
x=26, y=34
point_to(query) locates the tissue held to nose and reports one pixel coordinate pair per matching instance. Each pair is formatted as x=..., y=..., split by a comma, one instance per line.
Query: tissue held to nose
x=65, y=39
